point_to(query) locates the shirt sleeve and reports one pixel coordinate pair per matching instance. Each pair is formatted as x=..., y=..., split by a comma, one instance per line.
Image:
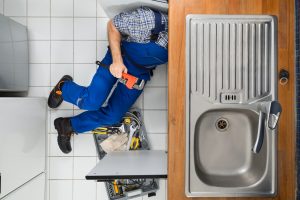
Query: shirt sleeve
x=121, y=22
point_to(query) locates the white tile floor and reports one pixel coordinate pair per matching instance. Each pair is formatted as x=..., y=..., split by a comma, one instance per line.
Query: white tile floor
x=66, y=37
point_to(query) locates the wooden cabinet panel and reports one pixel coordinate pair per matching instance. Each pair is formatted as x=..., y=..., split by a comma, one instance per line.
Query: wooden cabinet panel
x=178, y=9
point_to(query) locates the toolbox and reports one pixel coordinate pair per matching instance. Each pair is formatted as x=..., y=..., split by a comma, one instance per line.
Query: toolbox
x=132, y=189
x=126, y=186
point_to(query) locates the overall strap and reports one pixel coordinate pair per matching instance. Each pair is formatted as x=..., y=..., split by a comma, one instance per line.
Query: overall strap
x=158, y=27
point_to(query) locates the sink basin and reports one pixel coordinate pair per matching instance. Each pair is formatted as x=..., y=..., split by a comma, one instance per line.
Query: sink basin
x=230, y=71
x=222, y=146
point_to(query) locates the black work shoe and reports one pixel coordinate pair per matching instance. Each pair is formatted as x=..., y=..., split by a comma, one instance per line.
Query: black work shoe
x=64, y=129
x=55, y=97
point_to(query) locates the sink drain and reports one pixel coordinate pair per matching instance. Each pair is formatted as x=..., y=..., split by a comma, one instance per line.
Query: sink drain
x=222, y=124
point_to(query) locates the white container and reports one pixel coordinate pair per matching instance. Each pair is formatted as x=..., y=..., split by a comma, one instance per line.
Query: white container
x=14, y=67
x=114, y=7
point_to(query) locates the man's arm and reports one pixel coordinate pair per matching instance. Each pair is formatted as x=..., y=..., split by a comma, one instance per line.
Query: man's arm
x=114, y=39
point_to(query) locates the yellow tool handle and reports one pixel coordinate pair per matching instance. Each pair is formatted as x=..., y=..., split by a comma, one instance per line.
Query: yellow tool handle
x=134, y=143
x=101, y=129
x=127, y=120
x=116, y=187
x=99, y=132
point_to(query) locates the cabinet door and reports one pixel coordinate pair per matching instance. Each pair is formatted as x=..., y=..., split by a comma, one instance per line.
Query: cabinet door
x=38, y=185
x=22, y=141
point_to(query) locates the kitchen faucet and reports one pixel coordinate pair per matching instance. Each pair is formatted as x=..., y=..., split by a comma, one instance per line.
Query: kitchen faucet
x=269, y=113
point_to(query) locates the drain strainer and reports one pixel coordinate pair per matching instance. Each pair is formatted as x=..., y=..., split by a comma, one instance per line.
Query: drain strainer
x=222, y=124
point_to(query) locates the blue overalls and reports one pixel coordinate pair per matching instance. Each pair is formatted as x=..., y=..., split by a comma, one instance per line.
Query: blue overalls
x=92, y=97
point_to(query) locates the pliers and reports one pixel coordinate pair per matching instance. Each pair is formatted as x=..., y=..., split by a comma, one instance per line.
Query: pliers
x=135, y=143
x=130, y=81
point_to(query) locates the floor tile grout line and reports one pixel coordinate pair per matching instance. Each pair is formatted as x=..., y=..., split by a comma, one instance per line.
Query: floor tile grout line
x=73, y=164
x=96, y=39
x=97, y=51
x=50, y=90
x=66, y=179
x=67, y=63
x=77, y=109
x=72, y=156
x=67, y=40
x=54, y=16
x=150, y=87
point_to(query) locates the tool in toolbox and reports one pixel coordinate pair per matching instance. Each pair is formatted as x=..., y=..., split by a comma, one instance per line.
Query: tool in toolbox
x=135, y=143
x=116, y=188
x=133, y=127
x=129, y=80
x=110, y=129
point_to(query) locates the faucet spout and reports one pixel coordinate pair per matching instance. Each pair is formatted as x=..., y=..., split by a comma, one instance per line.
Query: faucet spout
x=268, y=118
x=260, y=133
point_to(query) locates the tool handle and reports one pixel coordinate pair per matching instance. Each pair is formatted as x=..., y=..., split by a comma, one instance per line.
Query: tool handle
x=100, y=64
x=126, y=79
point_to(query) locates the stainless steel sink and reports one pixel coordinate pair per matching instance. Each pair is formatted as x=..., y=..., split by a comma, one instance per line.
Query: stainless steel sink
x=231, y=92
x=222, y=148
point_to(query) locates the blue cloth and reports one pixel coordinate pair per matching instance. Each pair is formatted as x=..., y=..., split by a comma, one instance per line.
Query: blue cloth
x=148, y=55
x=92, y=97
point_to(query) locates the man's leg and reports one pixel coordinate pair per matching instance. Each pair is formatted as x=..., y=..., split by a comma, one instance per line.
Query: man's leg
x=119, y=103
x=93, y=96
x=88, y=98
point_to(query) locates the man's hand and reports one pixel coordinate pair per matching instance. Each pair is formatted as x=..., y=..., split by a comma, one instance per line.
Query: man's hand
x=117, y=68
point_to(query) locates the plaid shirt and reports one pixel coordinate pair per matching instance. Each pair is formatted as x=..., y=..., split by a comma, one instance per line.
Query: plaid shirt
x=136, y=26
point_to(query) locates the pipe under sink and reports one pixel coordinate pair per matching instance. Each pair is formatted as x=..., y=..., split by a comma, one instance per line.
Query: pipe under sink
x=230, y=86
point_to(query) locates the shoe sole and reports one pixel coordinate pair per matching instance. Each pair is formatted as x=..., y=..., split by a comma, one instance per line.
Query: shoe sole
x=66, y=77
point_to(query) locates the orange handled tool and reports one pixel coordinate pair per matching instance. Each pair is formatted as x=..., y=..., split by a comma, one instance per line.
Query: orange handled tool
x=130, y=81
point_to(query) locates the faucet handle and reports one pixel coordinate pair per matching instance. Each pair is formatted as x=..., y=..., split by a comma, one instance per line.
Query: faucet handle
x=274, y=114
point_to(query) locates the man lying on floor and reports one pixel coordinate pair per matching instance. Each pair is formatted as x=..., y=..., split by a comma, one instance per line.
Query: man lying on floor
x=138, y=42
